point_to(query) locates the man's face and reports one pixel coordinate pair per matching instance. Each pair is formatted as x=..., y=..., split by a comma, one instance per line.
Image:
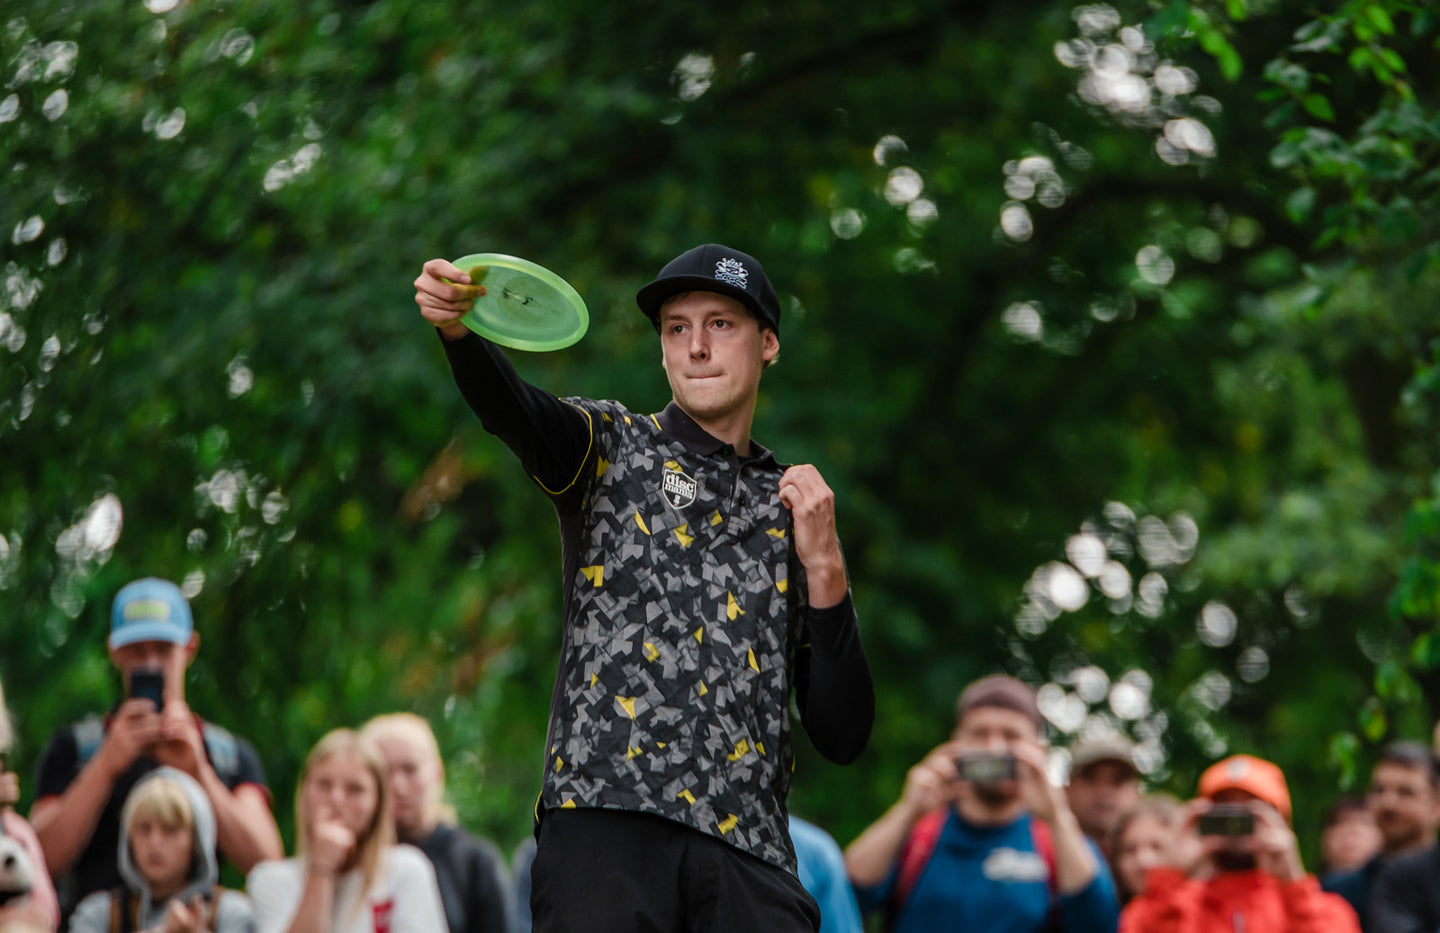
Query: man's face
x=1101, y=792
x=713, y=351
x=173, y=659
x=1403, y=802
x=994, y=729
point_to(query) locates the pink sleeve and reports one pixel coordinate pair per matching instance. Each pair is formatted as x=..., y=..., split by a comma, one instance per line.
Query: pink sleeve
x=42, y=894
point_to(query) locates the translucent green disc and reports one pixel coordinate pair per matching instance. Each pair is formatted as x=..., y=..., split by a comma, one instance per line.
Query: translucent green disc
x=525, y=306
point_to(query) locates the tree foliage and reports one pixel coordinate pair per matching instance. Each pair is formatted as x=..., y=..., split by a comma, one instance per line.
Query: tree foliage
x=1110, y=326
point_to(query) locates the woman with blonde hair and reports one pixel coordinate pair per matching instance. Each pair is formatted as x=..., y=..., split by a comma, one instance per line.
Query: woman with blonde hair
x=39, y=909
x=474, y=885
x=348, y=875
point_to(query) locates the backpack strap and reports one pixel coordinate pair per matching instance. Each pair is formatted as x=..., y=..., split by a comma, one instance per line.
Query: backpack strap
x=124, y=911
x=915, y=854
x=224, y=751
x=1044, y=843
x=88, y=733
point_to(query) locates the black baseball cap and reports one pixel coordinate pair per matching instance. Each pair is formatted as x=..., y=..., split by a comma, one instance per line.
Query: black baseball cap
x=714, y=268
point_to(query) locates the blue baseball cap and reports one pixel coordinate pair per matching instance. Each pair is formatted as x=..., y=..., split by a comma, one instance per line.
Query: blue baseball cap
x=150, y=610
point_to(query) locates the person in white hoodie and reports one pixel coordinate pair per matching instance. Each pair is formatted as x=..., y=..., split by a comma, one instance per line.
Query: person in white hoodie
x=167, y=859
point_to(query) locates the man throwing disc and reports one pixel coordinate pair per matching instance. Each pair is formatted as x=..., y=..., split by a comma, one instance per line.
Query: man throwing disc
x=702, y=580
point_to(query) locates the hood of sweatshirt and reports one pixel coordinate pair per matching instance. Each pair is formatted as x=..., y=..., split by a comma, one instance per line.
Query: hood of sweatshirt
x=204, y=872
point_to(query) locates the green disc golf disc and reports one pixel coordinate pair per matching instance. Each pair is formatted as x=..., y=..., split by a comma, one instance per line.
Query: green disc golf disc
x=525, y=306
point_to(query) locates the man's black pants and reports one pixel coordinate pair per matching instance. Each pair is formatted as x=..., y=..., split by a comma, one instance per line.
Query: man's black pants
x=611, y=870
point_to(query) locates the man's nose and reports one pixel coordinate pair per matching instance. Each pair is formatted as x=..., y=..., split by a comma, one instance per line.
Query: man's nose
x=699, y=343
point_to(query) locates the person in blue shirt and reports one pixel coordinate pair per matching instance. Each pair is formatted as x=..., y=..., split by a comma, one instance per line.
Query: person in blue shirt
x=980, y=837
x=822, y=872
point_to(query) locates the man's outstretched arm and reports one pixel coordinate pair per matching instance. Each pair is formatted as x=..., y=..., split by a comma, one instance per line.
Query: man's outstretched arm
x=551, y=438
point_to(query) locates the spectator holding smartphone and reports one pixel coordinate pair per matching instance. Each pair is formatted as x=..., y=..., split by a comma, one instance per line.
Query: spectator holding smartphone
x=89, y=767
x=980, y=832
x=1234, y=864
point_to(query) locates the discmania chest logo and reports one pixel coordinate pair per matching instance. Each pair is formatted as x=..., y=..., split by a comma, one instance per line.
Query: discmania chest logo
x=679, y=489
x=732, y=272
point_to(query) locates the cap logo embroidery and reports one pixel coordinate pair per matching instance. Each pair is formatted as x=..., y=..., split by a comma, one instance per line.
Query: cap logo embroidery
x=731, y=272
x=679, y=489
x=146, y=609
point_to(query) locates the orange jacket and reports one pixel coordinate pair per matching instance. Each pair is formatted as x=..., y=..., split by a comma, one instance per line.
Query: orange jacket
x=1235, y=902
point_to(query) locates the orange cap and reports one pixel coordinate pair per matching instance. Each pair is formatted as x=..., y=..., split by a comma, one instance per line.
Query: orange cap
x=1250, y=774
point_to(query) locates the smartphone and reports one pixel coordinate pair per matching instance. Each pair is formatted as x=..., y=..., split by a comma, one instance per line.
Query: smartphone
x=1226, y=820
x=986, y=767
x=148, y=683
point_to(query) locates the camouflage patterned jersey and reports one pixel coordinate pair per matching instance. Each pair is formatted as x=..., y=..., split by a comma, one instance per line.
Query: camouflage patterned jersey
x=685, y=618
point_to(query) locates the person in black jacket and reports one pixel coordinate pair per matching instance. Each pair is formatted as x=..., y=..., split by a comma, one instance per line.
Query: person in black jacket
x=704, y=584
x=1404, y=798
x=1406, y=895
x=474, y=886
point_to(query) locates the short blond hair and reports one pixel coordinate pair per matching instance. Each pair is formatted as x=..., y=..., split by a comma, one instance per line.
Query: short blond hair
x=160, y=799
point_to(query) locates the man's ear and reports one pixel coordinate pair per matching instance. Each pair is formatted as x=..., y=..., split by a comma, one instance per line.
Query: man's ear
x=770, y=344
x=191, y=647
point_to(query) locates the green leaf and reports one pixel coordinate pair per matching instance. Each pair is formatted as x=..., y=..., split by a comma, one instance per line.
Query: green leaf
x=1288, y=74
x=1299, y=204
x=1380, y=18
x=1318, y=106
x=1373, y=722
x=1392, y=60
x=1286, y=154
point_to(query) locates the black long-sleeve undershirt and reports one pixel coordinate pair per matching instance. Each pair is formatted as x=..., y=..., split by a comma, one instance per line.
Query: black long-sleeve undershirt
x=552, y=438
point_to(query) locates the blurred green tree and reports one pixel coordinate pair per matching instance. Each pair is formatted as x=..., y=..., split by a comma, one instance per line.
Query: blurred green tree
x=1108, y=324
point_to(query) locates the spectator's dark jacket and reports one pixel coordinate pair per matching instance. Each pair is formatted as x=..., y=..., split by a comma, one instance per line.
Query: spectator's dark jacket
x=1406, y=895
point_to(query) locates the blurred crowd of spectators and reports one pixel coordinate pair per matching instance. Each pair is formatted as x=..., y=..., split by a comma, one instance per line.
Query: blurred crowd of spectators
x=137, y=808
